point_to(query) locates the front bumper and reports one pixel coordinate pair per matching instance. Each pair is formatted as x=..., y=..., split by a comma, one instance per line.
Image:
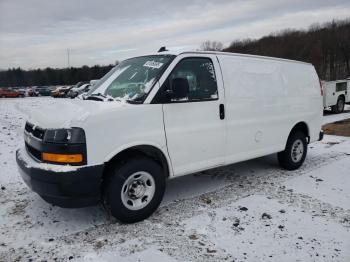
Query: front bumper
x=64, y=186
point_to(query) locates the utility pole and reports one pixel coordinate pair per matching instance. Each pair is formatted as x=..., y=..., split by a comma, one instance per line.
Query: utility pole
x=68, y=58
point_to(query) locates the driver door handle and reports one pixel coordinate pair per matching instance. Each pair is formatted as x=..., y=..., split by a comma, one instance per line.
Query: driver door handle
x=222, y=111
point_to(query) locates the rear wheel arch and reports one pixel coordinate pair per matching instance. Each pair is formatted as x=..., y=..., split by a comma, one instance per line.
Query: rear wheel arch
x=342, y=96
x=302, y=127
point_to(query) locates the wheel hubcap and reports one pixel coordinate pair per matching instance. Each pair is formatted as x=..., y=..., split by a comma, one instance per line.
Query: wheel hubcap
x=138, y=190
x=297, y=150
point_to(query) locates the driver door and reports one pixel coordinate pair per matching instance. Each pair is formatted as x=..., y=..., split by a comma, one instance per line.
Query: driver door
x=195, y=125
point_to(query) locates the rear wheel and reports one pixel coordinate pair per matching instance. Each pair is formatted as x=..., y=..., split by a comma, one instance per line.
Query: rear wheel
x=134, y=190
x=339, y=107
x=295, y=152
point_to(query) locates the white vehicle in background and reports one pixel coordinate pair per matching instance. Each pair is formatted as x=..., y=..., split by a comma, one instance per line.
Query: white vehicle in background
x=76, y=91
x=94, y=82
x=336, y=94
x=156, y=117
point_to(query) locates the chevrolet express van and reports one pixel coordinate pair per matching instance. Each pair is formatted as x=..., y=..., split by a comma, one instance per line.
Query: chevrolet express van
x=156, y=117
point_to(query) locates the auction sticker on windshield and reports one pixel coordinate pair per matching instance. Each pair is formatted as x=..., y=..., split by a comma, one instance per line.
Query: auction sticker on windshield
x=153, y=64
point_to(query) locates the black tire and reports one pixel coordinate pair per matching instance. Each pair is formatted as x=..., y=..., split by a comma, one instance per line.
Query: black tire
x=118, y=174
x=339, y=107
x=287, y=158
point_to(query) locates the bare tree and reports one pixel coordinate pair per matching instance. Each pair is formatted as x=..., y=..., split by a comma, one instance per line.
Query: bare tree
x=211, y=46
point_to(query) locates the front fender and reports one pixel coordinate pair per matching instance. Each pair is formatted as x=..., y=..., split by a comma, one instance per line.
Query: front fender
x=163, y=150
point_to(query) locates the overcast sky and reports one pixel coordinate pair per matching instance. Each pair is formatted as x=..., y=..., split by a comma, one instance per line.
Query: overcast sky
x=37, y=33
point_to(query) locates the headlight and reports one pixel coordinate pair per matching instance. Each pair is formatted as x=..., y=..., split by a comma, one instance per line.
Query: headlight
x=73, y=135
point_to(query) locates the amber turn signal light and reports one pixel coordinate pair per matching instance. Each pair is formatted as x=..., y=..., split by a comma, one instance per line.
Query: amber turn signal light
x=62, y=158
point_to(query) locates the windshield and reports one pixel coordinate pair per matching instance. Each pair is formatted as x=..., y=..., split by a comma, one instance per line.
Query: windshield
x=132, y=79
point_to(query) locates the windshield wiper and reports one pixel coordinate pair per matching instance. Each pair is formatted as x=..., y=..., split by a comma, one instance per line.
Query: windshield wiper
x=102, y=97
x=133, y=102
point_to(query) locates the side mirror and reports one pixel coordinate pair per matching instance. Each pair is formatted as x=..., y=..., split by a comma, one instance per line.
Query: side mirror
x=180, y=89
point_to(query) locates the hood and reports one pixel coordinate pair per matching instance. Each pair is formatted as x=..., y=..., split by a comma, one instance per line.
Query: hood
x=70, y=113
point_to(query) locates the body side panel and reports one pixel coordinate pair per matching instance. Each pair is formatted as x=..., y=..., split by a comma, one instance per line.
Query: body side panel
x=264, y=100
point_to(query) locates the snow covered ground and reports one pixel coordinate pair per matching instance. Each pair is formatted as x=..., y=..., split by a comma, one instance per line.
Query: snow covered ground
x=250, y=211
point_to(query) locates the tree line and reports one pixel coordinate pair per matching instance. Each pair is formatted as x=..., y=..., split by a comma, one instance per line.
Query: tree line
x=51, y=76
x=325, y=46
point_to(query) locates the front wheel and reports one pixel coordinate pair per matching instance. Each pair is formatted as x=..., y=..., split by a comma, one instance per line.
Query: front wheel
x=134, y=190
x=295, y=152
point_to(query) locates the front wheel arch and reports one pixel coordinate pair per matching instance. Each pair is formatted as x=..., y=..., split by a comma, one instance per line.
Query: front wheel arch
x=148, y=151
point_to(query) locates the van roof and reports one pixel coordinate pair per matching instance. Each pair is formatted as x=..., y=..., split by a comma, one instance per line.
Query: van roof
x=231, y=54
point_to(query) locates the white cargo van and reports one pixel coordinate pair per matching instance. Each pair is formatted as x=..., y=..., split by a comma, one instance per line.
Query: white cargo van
x=336, y=95
x=156, y=117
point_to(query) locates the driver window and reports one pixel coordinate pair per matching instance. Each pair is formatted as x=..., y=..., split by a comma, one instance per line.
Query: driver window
x=200, y=74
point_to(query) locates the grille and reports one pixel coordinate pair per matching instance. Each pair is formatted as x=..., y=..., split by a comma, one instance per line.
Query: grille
x=37, y=132
x=35, y=153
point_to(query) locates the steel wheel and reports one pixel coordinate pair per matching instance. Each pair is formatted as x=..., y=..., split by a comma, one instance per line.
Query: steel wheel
x=138, y=190
x=133, y=189
x=297, y=150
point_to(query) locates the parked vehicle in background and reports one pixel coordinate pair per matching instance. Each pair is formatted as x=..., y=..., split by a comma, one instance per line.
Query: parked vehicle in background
x=32, y=91
x=157, y=117
x=77, y=85
x=94, y=82
x=336, y=94
x=64, y=91
x=9, y=92
x=44, y=90
x=56, y=92
x=22, y=91
x=61, y=92
x=75, y=91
